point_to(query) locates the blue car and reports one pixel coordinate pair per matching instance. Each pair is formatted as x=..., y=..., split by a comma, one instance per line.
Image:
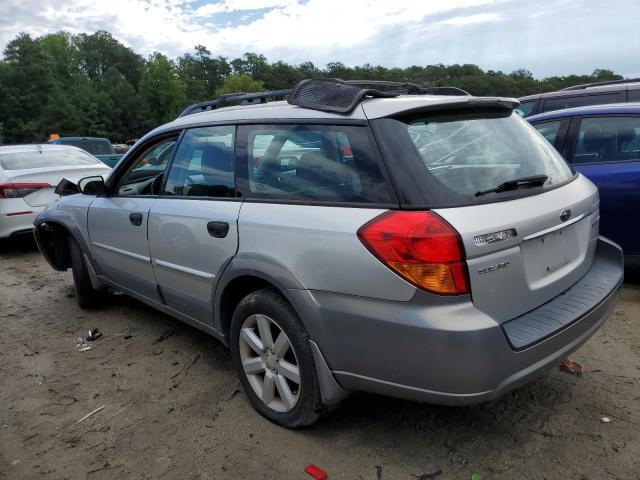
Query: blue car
x=603, y=143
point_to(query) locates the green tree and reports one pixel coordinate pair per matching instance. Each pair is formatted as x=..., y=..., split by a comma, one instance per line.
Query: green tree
x=91, y=84
x=201, y=74
x=27, y=81
x=240, y=83
x=161, y=89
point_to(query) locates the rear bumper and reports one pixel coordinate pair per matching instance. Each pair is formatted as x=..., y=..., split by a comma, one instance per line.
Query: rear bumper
x=443, y=350
x=16, y=224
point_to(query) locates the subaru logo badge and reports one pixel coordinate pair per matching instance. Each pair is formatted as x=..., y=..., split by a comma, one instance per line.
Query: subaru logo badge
x=565, y=214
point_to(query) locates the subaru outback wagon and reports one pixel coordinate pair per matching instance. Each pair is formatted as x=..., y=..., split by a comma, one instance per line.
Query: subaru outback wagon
x=423, y=246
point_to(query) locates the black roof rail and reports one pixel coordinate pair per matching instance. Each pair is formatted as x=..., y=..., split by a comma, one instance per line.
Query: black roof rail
x=601, y=84
x=235, y=99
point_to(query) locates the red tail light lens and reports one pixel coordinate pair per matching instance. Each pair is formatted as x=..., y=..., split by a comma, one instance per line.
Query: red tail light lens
x=420, y=247
x=18, y=190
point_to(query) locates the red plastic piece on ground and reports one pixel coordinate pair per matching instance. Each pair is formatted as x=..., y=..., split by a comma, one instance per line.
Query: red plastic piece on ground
x=316, y=472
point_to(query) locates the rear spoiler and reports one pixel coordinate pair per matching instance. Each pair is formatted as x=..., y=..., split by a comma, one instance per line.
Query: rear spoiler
x=381, y=109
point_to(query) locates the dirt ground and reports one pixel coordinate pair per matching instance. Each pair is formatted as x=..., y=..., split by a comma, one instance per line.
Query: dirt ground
x=173, y=409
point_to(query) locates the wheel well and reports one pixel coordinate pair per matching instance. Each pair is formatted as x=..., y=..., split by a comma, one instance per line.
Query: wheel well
x=54, y=240
x=234, y=292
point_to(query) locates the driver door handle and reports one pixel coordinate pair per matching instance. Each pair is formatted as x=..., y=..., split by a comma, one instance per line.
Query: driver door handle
x=135, y=218
x=218, y=229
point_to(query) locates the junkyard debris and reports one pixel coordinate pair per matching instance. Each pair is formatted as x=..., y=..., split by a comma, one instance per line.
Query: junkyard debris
x=316, y=472
x=94, y=335
x=572, y=367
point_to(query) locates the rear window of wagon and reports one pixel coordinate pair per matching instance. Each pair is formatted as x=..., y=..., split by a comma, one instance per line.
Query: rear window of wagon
x=453, y=155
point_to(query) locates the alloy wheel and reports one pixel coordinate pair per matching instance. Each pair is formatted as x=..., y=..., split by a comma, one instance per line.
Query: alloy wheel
x=270, y=363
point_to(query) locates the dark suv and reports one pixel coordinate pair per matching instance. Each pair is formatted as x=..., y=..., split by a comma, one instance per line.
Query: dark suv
x=616, y=91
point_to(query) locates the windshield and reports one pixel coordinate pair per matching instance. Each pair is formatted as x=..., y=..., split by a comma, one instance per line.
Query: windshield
x=466, y=153
x=93, y=146
x=46, y=158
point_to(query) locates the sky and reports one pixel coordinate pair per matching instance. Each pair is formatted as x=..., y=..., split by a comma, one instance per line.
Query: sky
x=546, y=37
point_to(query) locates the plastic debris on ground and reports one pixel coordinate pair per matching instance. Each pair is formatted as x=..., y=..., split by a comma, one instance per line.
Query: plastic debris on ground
x=429, y=476
x=316, y=472
x=605, y=420
x=572, y=367
x=81, y=346
x=94, y=335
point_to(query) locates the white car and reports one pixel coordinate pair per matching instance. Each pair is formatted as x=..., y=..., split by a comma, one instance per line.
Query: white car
x=29, y=175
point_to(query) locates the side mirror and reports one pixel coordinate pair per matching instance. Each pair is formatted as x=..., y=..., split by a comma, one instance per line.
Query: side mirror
x=65, y=187
x=91, y=185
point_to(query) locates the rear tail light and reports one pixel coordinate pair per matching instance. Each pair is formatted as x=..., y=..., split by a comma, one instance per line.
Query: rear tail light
x=420, y=247
x=18, y=190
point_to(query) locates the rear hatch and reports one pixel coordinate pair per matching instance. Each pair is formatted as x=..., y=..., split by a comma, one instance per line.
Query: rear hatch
x=525, y=242
x=522, y=253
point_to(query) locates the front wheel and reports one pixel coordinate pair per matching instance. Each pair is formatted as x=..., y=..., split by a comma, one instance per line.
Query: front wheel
x=274, y=361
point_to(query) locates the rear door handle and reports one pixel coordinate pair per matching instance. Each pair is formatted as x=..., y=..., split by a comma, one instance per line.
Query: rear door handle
x=218, y=229
x=136, y=219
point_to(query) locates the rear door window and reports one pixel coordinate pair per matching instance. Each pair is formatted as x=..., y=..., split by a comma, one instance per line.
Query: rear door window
x=607, y=139
x=634, y=95
x=312, y=163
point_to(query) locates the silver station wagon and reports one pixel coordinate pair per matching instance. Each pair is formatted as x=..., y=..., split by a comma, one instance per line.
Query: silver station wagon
x=420, y=243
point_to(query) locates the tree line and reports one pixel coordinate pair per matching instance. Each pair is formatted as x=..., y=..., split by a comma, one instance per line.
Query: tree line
x=93, y=85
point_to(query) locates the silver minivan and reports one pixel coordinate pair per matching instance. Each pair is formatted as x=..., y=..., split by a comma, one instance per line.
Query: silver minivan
x=415, y=244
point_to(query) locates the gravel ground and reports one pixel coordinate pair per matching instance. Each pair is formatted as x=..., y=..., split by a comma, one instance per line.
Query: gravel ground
x=172, y=406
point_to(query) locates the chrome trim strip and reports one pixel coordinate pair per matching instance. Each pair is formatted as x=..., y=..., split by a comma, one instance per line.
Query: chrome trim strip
x=179, y=268
x=121, y=252
x=556, y=227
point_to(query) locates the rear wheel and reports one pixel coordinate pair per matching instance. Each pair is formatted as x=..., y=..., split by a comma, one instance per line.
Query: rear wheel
x=274, y=361
x=86, y=295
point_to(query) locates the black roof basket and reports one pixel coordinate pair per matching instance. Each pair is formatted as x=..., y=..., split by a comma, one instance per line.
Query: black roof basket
x=328, y=94
x=410, y=88
x=335, y=95
x=601, y=84
x=236, y=99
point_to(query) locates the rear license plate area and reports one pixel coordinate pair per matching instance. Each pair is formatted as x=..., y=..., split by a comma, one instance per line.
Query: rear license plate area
x=553, y=250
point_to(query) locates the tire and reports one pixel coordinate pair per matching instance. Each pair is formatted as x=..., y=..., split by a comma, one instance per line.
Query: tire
x=249, y=317
x=86, y=295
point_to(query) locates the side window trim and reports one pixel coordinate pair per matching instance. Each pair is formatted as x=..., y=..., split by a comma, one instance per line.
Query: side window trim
x=562, y=134
x=123, y=168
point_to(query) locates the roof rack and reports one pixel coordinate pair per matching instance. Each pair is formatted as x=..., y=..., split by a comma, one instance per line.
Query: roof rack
x=600, y=84
x=354, y=95
x=411, y=88
x=236, y=99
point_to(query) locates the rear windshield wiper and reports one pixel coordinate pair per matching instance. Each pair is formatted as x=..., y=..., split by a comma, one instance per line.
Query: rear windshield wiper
x=532, y=181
